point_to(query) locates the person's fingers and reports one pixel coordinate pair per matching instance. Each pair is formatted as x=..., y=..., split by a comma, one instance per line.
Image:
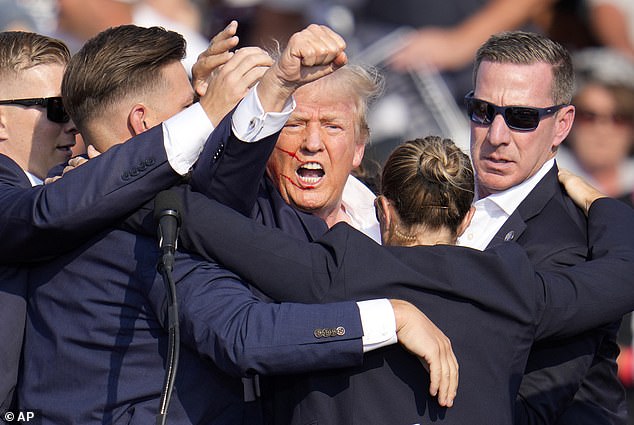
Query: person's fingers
x=92, y=152
x=241, y=72
x=453, y=387
x=445, y=381
x=449, y=384
x=435, y=370
x=217, y=54
x=246, y=59
x=318, y=45
x=223, y=41
x=253, y=76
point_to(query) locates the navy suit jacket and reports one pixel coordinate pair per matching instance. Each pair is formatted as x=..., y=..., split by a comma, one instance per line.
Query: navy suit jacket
x=491, y=304
x=95, y=339
x=40, y=222
x=553, y=232
x=90, y=197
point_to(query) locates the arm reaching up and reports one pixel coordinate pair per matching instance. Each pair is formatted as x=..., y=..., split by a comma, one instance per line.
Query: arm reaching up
x=310, y=54
x=222, y=78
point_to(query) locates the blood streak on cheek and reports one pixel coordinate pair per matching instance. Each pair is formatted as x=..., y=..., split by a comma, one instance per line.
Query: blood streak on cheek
x=294, y=156
x=296, y=185
x=291, y=154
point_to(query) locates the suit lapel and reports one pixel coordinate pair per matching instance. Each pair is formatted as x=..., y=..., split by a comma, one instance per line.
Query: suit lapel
x=12, y=174
x=531, y=206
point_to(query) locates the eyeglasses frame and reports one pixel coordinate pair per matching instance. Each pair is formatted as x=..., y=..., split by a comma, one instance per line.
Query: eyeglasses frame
x=501, y=110
x=43, y=102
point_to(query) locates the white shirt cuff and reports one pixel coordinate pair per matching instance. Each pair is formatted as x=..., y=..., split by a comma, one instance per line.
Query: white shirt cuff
x=378, y=322
x=250, y=123
x=184, y=136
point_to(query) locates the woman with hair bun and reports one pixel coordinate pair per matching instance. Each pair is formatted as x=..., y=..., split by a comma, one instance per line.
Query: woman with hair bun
x=426, y=193
x=492, y=304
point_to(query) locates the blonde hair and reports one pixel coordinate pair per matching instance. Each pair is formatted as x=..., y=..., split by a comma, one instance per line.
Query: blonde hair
x=21, y=50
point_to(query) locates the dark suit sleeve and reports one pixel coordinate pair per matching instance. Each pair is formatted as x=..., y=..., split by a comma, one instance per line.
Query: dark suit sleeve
x=230, y=170
x=345, y=264
x=224, y=321
x=603, y=281
x=44, y=221
x=583, y=367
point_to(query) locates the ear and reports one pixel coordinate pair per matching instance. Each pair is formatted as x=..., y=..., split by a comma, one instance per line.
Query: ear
x=137, y=119
x=384, y=208
x=380, y=205
x=4, y=131
x=565, y=117
x=359, y=150
x=466, y=221
x=386, y=218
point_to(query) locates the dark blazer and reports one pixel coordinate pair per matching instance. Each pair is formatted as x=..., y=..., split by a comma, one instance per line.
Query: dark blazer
x=96, y=342
x=88, y=198
x=39, y=222
x=96, y=339
x=553, y=232
x=491, y=304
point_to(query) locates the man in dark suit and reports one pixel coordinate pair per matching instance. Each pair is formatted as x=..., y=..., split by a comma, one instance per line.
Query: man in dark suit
x=513, y=151
x=491, y=304
x=567, y=381
x=96, y=316
x=40, y=221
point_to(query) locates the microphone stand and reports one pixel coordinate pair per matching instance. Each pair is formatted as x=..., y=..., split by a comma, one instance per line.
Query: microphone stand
x=165, y=267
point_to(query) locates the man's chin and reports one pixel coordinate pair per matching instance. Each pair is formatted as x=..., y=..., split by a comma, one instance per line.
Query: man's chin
x=312, y=206
x=496, y=184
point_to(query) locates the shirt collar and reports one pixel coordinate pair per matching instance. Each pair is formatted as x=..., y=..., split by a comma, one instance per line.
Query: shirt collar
x=358, y=202
x=35, y=181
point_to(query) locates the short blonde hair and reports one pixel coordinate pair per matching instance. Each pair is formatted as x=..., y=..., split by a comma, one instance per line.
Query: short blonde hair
x=21, y=50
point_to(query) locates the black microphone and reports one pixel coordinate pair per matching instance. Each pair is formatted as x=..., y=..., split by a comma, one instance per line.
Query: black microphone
x=167, y=205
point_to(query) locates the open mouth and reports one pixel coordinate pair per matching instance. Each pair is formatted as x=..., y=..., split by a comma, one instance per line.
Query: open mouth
x=310, y=173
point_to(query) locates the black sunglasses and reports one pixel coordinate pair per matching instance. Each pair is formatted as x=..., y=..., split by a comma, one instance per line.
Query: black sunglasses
x=54, y=107
x=521, y=118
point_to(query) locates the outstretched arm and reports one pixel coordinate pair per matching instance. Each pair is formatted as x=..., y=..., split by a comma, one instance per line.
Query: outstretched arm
x=44, y=221
x=572, y=299
x=223, y=320
x=310, y=54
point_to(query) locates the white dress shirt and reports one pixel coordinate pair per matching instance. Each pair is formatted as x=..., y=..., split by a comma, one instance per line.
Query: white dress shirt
x=493, y=211
x=358, y=202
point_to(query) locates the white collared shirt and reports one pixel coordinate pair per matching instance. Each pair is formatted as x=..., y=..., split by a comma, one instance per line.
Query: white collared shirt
x=358, y=202
x=493, y=210
x=35, y=181
x=185, y=134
